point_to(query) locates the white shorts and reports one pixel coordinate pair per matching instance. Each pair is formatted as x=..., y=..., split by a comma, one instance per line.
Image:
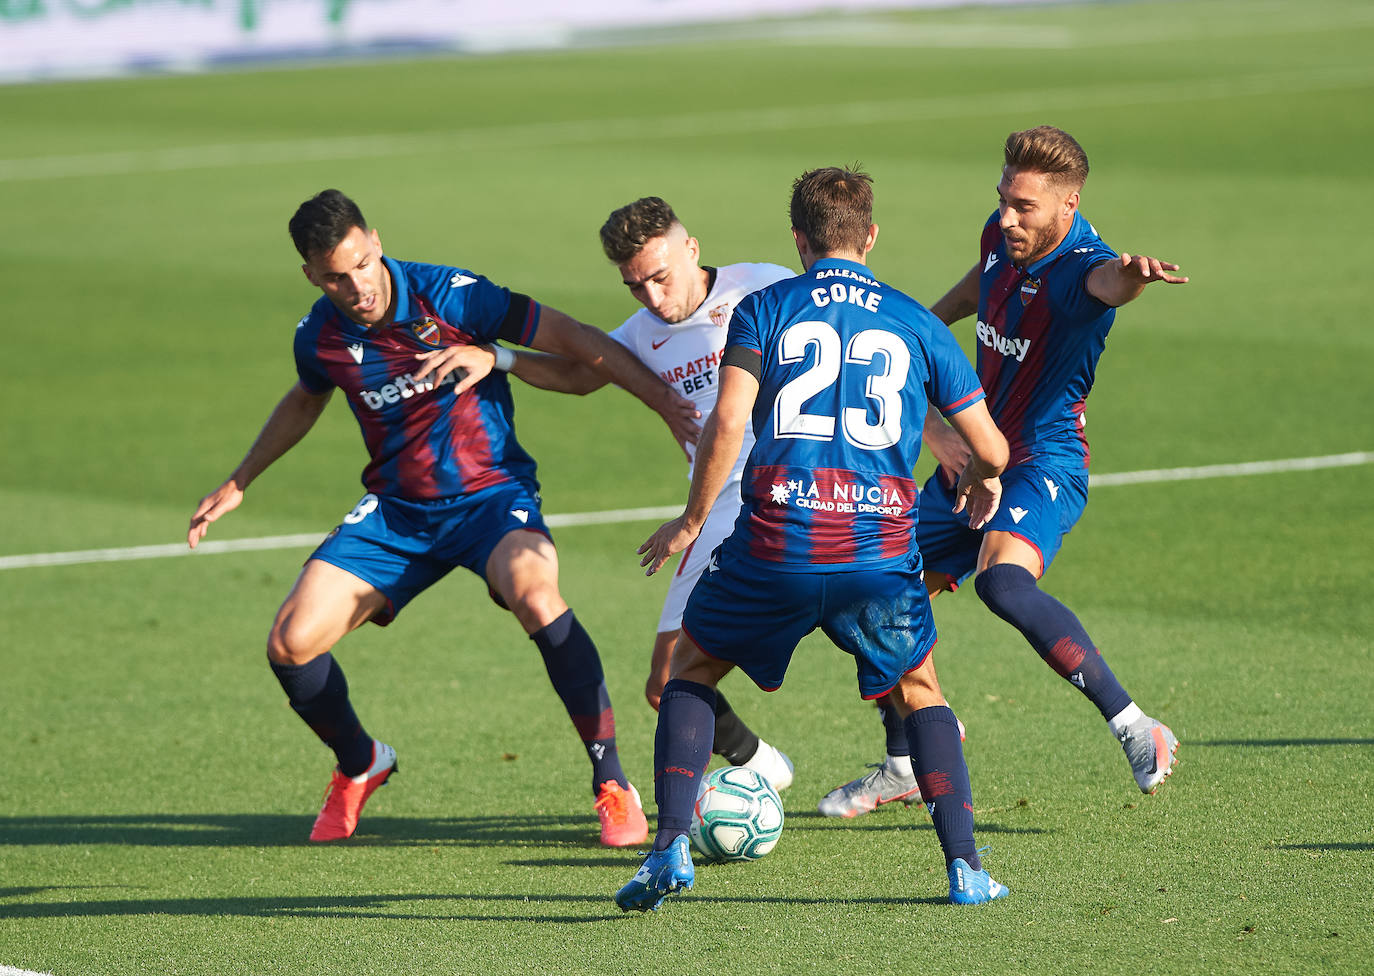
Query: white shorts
x=692, y=563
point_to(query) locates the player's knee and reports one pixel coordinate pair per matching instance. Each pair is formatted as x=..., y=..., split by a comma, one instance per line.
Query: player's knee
x=291, y=644
x=917, y=690
x=537, y=606
x=1008, y=590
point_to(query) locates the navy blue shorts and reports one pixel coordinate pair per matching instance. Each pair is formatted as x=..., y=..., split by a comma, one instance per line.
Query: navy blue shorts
x=403, y=547
x=754, y=618
x=1040, y=504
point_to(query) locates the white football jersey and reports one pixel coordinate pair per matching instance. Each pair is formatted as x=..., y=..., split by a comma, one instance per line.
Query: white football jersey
x=687, y=355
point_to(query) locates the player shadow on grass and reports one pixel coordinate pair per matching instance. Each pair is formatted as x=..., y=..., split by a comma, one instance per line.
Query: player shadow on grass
x=280, y=830
x=892, y=820
x=598, y=905
x=1223, y=743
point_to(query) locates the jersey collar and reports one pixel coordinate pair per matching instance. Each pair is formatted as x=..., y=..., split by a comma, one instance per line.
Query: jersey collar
x=1077, y=229
x=827, y=263
x=400, y=290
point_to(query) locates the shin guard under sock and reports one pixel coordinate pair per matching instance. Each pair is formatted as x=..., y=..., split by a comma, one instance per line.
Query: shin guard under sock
x=1011, y=592
x=318, y=692
x=938, y=761
x=734, y=740
x=682, y=748
x=574, y=669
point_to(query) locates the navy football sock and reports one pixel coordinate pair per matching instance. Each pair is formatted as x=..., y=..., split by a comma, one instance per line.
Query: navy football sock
x=682, y=748
x=574, y=669
x=897, y=743
x=318, y=692
x=938, y=761
x=734, y=740
x=1011, y=592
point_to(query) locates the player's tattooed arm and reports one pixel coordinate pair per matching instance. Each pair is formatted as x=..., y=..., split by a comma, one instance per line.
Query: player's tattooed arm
x=959, y=301
x=290, y=421
x=1117, y=282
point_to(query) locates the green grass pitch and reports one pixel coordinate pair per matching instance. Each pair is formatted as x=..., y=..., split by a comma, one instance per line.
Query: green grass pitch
x=155, y=790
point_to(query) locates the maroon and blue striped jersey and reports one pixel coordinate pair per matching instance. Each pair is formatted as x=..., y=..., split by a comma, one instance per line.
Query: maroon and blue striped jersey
x=846, y=367
x=1040, y=334
x=423, y=442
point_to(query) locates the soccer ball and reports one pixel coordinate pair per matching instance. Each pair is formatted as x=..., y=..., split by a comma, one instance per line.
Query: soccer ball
x=737, y=817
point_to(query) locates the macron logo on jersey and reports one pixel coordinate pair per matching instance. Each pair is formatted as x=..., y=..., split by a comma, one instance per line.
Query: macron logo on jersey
x=460, y=279
x=994, y=340
x=992, y=259
x=356, y=351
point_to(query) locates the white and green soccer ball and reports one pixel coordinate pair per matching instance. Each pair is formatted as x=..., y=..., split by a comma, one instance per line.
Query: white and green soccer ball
x=737, y=817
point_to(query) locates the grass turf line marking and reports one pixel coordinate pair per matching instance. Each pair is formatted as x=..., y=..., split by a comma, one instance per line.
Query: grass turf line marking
x=619, y=515
x=11, y=971
x=575, y=132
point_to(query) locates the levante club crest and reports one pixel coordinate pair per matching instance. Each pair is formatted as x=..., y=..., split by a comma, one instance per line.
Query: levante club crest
x=427, y=332
x=1028, y=289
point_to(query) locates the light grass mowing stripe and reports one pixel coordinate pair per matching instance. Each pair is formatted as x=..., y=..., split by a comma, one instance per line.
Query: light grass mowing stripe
x=619, y=515
x=574, y=132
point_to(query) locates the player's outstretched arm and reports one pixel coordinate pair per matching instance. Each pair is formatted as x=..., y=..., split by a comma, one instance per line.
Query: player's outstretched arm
x=959, y=301
x=980, y=487
x=717, y=452
x=550, y=372
x=1117, y=282
x=290, y=421
x=571, y=339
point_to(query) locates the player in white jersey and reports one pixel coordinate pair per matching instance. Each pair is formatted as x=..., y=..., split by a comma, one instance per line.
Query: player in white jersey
x=679, y=334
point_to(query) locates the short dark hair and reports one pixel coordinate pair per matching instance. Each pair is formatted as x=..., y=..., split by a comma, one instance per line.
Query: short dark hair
x=323, y=221
x=628, y=229
x=833, y=207
x=1048, y=150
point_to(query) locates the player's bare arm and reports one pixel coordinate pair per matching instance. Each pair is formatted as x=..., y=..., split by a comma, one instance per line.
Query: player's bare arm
x=473, y=363
x=292, y=418
x=717, y=452
x=549, y=372
x=960, y=301
x=980, y=487
x=567, y=337
x=1117, y=282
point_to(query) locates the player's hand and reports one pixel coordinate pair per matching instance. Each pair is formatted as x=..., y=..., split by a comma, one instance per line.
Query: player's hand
x=221, y=501
x=671, y=537
x=681, y=416
x=1141, y=269
x=471, y=364
x=950, y=450
x=979, y=495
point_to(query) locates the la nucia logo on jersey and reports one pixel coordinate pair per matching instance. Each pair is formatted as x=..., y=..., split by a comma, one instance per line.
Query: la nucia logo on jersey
x=845, y=497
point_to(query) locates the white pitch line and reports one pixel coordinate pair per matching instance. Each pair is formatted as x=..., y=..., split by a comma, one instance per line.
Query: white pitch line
x=619, y=515
x=11, y=971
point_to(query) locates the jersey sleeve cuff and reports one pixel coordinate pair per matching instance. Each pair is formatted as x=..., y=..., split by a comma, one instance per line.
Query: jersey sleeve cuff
x=964, y=403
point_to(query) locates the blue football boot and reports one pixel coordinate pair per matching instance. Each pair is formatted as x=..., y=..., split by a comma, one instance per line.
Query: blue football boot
x=663, y=873
x=970, y=887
